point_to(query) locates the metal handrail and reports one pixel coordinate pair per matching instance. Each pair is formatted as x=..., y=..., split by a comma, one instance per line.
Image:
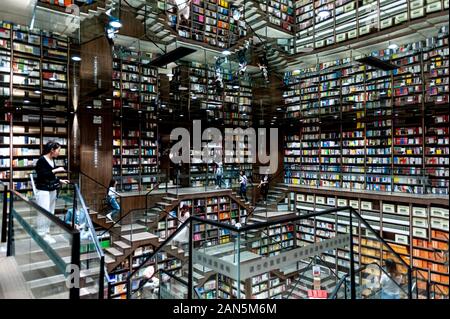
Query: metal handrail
x=98, y=247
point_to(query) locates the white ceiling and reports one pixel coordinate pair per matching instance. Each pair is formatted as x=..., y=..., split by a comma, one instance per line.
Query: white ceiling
x=17, y=11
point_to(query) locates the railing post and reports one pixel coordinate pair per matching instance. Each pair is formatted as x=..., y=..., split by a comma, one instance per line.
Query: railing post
x=352, y=260
x=74, y=209
x=74, y=292
x=409, y=283
x=191, y=234
x=9, y=245
x=5, y=212
x=101, y=283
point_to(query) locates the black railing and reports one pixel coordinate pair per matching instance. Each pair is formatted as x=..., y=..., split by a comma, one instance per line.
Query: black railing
x=4, y=212
x=259, y=225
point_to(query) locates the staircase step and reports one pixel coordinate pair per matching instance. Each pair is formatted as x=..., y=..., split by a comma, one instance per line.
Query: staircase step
x=169, y=198
x=86, y=291
x=140, y=236
x=122, y=245
x=163, y=204
x=109, y=260
x=113, y=251
x=89, y=272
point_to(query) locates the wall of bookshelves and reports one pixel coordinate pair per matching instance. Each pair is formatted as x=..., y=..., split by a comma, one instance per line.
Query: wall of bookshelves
x=416, y=228
x=350, y=19
x=279, y=12
x=207, y=21
x=364, y=128
x=135, y=150
x=35, y=100
x=232, y=108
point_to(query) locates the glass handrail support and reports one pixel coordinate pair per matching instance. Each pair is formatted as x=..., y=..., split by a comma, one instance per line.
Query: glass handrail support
x=245, y=263
x=45, y=248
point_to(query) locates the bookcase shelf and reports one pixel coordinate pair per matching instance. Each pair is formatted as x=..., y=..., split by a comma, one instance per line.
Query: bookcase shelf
x=135, y=148
x=34, y=91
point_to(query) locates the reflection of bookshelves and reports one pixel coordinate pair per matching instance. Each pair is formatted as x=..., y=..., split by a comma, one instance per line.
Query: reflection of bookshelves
x=135, y=151
x=208, y=21
x=34, y=93
x=391, y=114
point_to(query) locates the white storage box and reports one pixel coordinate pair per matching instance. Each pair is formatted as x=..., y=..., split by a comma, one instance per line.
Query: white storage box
x=366, y=205
x=386, y=23
x=341, y=37
x=310, y=198
x=401, y=239
x=320, y=43
x=331, y=201
x=434, y=7
x=420, y=222
x=320, y=200
x=446, y=4
x=349, y=7
x=354, y=204
x=300, y=197
x=342, y=202
x=352, y=34
x=403, y=210
x=401, y=18
x=388, y=208
x=417, y=13
x=419, y=211
x=439, y=212
x=364, y=30
x=420, y=232
x=416, y=4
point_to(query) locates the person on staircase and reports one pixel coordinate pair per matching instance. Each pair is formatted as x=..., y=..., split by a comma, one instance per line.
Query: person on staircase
x=182, y=238
x=47, y=185
x=243, y=186
x=111, y=198
x=264, y=186
x=218, y=173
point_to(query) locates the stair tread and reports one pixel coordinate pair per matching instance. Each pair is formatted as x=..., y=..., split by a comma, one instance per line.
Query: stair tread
x=169, y=198
x=163, y=203
x=140, y=236
x=114, y=251
x=109, y=260
x=122, y=244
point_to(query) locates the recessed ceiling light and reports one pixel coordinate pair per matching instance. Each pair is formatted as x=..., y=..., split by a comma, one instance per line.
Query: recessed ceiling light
x=26, y=101
x=37, y=92
x=181, y=115
x=108, y=100
x=226, y=52
x=182, y=88
x=274, y=117
x=89, y=107
x=76, y=58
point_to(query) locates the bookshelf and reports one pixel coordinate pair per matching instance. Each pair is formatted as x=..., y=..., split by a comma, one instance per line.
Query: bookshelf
x=393, y=115
x=135, y=150
x=34, y=92
x=279, y=12
x=208, y=21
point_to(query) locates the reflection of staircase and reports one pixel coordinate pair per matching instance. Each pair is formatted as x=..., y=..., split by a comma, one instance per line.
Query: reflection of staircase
x=156, y=23
x=276, y=194
x=301, y=284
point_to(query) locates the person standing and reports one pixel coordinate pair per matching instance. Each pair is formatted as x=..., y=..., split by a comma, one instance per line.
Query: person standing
x=182, y=237
x=390, y=282
x=243, y=186
x=112, y=200
x=219, y=174
x=264, y=186
x=47, y=185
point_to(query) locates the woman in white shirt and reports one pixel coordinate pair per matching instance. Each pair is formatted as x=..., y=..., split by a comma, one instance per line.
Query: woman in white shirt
x=112, y=200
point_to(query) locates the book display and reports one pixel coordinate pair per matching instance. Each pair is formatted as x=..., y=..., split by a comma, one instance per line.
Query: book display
x=135, y=151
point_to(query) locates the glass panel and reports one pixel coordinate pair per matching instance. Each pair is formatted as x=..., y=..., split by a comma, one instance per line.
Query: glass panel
x=149, y=281
x=90, y=250
x=42, y=259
